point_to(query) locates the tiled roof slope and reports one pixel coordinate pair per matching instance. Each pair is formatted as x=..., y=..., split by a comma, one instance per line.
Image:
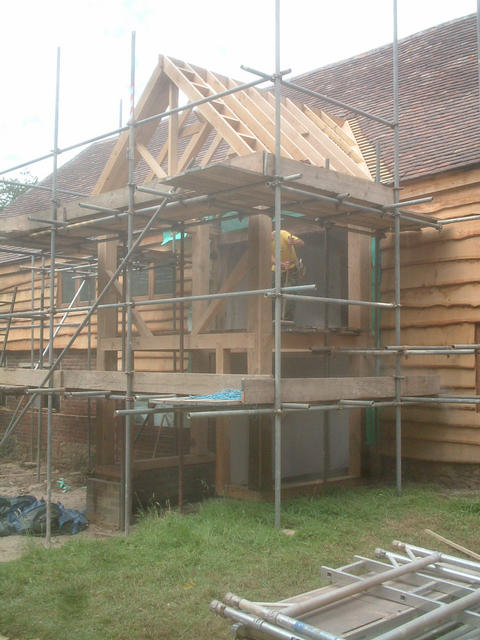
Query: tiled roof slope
x=438, y=97
x=79, y=174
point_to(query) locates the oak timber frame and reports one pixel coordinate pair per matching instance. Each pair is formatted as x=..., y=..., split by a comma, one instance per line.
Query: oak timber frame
x=257, y=161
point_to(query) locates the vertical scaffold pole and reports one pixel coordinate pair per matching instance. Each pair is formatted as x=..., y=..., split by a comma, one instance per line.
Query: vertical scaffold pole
x=396, y=195
x=278, y=279
x=32, y=359
x=40, y=366
x=180, y=415
x=48, y=528
x=327, y=415
x=128, y=350
x=90, y=284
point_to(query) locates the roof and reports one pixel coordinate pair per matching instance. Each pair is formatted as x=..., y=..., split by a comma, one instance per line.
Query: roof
x=438, y=97
x=79, y=174
x=439, y=111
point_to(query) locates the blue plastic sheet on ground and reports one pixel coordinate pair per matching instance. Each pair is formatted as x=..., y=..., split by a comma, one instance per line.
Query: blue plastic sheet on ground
x=30, y=517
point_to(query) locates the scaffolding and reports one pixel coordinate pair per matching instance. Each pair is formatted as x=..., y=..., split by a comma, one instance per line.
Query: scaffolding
x=179, y=212
x=409, y=593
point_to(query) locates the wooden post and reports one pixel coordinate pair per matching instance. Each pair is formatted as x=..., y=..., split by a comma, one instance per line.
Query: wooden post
x=200, y=286
x=106, y=360
x=259, y=359
x=359, y=279
x=200, y=269
x=359, y=288
x=222, y=432
x=260, y=307
x=172, y=130
x=107, y=322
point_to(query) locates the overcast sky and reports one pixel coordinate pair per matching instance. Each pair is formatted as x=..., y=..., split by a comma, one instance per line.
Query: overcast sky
x=94, y=37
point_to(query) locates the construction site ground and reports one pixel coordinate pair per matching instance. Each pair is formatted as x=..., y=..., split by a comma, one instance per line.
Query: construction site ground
x=20, y=478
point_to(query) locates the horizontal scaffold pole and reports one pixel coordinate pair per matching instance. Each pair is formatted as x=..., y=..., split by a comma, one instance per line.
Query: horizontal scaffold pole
x=338, y=103
x=341, y=301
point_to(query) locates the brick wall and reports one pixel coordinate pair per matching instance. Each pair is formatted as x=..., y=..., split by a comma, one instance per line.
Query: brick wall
x=70, y=420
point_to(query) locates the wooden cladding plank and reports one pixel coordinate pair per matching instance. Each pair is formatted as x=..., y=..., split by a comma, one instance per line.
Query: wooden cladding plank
x=459, y=378
x=468, y=194
x=435, y=451
x=433, y=275
x=433, y=432
x=327, y=389
x=463, y=295
x=461, y=333
x=441, y=182
x=427, y=236
x=432, y=316
x=443, y=250
x=458, y=416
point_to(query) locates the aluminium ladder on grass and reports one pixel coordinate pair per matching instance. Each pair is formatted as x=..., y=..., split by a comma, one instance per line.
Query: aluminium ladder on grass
x=418, y=594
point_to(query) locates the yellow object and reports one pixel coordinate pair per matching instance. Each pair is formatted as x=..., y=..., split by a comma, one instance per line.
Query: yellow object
x=288, y=255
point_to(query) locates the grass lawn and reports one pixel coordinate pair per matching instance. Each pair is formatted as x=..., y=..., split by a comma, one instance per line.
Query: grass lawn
x=158, y=582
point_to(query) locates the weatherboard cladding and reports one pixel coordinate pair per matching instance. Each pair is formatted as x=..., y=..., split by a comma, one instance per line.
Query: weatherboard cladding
x=439, y=110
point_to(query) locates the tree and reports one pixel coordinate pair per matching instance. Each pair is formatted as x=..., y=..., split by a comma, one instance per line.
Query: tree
x=11, y=189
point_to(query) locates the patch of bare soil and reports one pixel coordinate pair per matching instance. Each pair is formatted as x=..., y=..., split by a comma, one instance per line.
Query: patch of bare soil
x=21, y=479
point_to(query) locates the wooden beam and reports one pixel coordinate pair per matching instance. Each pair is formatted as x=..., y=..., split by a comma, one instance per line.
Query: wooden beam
x=178, y=73
x=211, y=150
x=331, y=389
x=234, y=103
x=153, y=100
x=164, y=150
x=172, y=130
x=152, y=382
x=150, y=160
x=325, y=180
x=194, y=146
